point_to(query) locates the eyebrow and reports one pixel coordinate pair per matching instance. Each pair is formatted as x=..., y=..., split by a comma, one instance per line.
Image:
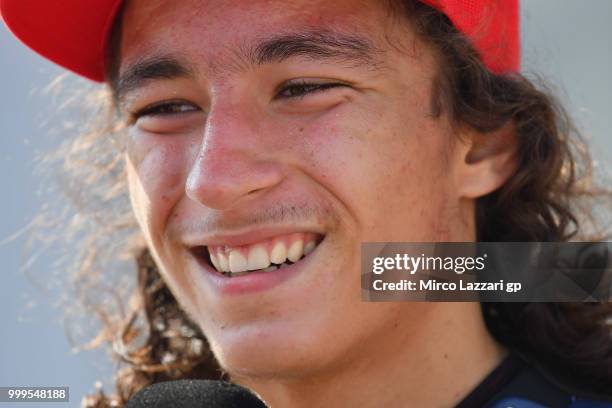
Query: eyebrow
x=154, y=67
x=316, y=45
x=322, y=44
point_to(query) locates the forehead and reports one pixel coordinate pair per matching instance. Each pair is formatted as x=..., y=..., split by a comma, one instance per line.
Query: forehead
x=217, y=26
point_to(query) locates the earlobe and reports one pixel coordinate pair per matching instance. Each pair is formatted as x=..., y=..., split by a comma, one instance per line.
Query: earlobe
x=488, y=160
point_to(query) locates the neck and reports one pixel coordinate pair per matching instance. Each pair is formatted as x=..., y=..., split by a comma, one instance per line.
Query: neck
x=433, y=358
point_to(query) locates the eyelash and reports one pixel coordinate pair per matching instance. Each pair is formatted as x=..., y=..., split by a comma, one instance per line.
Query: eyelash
x=307, y=88
x=180, y=107
x=164, y=108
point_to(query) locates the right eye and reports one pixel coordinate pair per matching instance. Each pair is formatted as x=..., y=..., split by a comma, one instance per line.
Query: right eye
x=165, y=108
x=168, y=117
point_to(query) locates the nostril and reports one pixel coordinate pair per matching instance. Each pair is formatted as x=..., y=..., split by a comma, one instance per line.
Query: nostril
x=254, y=191
x=220, y=180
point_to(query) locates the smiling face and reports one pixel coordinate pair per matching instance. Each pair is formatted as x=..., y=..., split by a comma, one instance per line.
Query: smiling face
x=267, y=133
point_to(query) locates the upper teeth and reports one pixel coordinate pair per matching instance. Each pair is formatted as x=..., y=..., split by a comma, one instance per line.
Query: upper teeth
x=279, y=253
x=296, y=250
x=258, y=258
x=261, y=255
x=237, y=262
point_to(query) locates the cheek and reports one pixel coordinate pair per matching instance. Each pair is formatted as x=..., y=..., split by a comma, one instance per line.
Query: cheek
x=388, y=171
x=157, y=168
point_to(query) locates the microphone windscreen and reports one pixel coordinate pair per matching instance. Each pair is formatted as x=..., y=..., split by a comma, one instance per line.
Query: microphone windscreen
x=195, y=393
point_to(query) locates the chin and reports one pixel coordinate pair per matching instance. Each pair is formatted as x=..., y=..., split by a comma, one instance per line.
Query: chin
x=269, y=352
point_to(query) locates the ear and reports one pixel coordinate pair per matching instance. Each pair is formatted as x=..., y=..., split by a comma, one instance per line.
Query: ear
x=488, y=160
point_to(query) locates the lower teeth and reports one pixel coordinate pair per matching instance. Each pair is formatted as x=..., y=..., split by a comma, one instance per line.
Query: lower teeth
x=268, y=269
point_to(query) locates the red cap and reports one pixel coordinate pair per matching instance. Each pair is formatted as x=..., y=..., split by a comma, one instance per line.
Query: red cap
x=491, y=25
x=73, y=33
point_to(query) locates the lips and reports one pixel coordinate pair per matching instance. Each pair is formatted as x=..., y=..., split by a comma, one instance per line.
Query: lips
x=266, y=255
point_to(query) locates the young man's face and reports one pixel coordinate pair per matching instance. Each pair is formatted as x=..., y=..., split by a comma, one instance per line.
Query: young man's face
x=267, y=122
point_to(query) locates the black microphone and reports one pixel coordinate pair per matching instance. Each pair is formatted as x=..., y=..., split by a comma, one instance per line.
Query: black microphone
x=195, y=393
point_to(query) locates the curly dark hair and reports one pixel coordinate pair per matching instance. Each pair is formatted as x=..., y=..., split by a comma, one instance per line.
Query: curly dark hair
x=546, y=199
x=551, y=197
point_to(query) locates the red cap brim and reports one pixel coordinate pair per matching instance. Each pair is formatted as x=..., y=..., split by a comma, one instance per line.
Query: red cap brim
x=493, y=26
x=71, y=33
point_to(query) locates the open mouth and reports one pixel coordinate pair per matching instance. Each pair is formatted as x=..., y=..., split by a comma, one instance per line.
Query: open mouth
x=265, y=256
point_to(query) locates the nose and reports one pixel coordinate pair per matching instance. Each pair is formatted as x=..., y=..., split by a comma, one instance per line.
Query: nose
x=235, y=162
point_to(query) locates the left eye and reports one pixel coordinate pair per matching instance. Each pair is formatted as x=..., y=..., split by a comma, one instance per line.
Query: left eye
x=301, y=89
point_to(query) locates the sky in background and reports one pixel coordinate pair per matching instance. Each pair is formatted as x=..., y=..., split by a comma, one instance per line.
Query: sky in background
x=566, y=42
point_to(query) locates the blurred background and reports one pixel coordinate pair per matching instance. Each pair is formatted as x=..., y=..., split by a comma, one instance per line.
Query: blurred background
x=564, y=41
